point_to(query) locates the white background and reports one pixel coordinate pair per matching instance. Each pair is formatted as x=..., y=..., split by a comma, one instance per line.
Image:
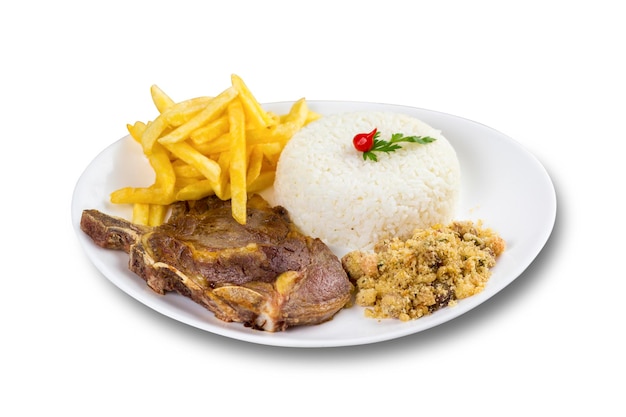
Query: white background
x=549, y=74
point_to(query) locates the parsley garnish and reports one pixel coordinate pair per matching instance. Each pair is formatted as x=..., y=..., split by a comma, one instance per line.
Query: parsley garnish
x=380, y=145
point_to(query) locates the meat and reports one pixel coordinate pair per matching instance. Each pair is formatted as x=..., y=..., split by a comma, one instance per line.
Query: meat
x=264, y=274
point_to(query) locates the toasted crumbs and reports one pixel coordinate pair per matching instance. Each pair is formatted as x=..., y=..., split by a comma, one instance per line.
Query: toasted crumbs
x=408, y=279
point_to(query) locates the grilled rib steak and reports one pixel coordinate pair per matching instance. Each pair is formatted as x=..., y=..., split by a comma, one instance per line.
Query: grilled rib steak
x=264, y=274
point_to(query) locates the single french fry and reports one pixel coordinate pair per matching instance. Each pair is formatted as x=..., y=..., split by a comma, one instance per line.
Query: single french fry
x=146, y=195
x=136, y=130
x=141, y=213
x=275, y=118
x=237, y=171
x=182, y=182
x=255, y=115
x=283, y=131
x=272, y=149
x=209, y=113
x=263, y=135
x=153, y=130
x=255, y=161
x=196, y=191
x=293, y=121
x=222, y=191
x=182, y=112
x=161, y=100
x=311, y=116
x=157, y=214
x=271, y=152
x=211, y=131
x=206, y=166
x=162, y=166
x=263, y=181
x=215, y=147
x=280, y=133
x=297, y=113
x=183, y=170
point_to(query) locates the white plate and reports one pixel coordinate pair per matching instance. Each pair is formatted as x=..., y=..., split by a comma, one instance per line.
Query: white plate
x=502, y=184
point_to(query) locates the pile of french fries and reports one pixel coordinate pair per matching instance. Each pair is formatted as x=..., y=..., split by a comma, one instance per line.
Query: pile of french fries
x=226, y=145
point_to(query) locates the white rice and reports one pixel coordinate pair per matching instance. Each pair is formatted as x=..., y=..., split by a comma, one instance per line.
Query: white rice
x=349, y=203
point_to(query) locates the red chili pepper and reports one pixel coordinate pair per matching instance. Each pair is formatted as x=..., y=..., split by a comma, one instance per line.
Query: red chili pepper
x=363, y=142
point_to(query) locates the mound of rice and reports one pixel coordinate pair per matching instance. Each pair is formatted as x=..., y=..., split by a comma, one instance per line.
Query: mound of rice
x=349, y=203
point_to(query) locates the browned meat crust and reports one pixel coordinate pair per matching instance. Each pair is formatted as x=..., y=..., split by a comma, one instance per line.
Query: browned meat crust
x=264, y=274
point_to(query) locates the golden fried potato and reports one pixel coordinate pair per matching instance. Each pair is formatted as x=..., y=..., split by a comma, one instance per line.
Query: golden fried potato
x=161, y=100
x=213, y=109
x=256, y=117
x=226, y=145
x=238, y=157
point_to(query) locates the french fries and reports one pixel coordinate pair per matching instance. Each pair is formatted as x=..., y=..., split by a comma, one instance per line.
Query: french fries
x=226, y=145
x=238, y=161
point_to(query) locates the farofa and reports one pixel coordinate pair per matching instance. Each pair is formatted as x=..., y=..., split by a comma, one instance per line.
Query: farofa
x=435, y=267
